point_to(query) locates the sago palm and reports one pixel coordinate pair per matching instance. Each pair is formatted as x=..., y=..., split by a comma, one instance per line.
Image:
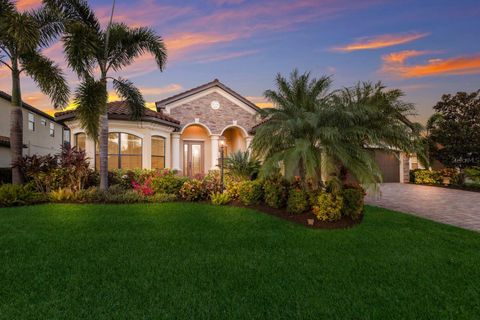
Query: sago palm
x=289, y=137
x=22, y=37
x=94, y=52
x=313, y=131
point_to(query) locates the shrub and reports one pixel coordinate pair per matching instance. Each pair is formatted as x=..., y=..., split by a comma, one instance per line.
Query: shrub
x=192, y=190
x=297, y=201
x=144, y=188
x=473, y=173
x=353, y=200
x=162, y=197
x=212, y=183
x=18, y=195
x=250, y=192
x=127, y=196
x=167, y=181
x=232, y=187
x=63, y=195
x=220, y=198
x=275, y=193
x=68, y=169
x=328, y=207
x=423, y=176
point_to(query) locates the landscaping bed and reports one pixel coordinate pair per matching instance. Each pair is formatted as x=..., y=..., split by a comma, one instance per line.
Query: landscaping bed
x=302, y=219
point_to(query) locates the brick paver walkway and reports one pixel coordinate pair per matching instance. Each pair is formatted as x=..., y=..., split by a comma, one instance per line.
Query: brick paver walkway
x=455, y=207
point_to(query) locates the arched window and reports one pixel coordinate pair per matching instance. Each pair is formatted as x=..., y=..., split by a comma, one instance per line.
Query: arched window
x=124, y=151
x=80, y=141
x=158, y=152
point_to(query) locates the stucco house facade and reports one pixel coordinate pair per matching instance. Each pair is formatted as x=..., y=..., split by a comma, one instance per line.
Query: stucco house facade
x=42, y=134
x=186, y=132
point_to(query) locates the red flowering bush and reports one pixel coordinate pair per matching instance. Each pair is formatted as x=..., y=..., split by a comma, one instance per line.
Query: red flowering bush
x=144, y=188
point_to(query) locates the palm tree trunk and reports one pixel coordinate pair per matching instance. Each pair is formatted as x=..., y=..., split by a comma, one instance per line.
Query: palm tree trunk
x=103, y=141
x=16, y=125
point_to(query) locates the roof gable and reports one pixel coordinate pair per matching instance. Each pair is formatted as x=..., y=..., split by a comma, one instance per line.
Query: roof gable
x=214, y=85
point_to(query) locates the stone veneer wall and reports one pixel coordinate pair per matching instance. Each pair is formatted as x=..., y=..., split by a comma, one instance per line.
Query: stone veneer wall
x=215, y=120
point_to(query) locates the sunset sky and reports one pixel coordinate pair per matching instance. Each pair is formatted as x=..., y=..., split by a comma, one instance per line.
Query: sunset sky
x=425, y=47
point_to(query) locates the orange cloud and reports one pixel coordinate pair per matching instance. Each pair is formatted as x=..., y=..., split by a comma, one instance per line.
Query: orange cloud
x=186, y=41
x=28, y=4
x=381, y=41
x=395, y=64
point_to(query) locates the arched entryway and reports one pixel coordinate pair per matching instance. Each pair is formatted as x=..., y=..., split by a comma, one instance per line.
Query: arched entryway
x=235, y=139
x=195, y=148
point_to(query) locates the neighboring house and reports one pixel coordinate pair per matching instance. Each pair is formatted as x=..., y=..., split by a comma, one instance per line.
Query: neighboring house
x=186, y=132
x=42, y=134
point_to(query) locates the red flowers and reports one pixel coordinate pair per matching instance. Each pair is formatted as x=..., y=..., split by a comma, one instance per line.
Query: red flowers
x=144, y=188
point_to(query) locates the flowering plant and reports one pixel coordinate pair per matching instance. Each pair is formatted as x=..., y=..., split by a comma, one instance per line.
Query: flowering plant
x=144, y=188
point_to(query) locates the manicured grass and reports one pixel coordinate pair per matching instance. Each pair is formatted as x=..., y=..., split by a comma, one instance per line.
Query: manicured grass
x=189, y=261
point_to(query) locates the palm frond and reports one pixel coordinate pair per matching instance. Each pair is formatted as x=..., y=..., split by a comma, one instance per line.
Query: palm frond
x=48, y=76
x=132, y=96
x=81, y=45
x=91, y=102
x=50, y=25
x=126, y=44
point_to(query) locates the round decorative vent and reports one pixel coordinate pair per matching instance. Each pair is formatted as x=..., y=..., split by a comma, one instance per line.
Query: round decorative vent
x=215, y=105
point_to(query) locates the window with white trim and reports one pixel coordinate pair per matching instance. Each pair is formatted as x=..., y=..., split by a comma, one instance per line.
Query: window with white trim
x=31, y=121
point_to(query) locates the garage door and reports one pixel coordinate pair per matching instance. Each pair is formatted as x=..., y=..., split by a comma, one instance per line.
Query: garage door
x=389, y=165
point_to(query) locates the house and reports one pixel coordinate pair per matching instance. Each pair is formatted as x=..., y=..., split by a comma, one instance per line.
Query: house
x=186, y=132
x=42, y=134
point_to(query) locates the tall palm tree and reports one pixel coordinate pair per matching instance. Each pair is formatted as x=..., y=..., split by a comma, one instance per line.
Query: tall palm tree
x=313, y=130
x=22, y=36
x=93, y=52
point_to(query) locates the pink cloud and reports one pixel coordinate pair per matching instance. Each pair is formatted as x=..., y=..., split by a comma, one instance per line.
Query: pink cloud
x=381, y=41
x=28, y=4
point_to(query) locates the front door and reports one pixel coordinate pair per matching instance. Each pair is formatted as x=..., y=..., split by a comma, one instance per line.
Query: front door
x=193, y=158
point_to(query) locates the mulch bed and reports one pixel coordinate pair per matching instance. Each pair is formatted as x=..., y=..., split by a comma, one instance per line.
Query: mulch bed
x=343, y=223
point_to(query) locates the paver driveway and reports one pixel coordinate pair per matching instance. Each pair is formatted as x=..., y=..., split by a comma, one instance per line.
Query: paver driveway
x=455, y=207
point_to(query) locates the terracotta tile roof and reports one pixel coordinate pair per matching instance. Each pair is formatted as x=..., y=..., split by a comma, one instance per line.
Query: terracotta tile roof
x=4, y=141
x=215, y=83
x=119, y=110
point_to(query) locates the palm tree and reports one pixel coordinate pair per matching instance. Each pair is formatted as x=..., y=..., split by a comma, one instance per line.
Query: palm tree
x=313, y=130
x=242, y=165
x=93, y=53
x=22, y=36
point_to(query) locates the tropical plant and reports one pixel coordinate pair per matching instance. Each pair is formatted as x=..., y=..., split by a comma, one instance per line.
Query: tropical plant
x=242, y=165
x=250, y=192
x=328, y=207
x=22, y=37
x=312, y=129
x=94, y=52
x=220, y=198
x=297, y=202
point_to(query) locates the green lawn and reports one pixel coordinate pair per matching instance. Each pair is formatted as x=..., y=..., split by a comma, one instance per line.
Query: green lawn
x=188, y=261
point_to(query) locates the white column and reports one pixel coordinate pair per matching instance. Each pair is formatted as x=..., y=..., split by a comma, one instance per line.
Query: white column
x=176, y=151
x=90, y=151
x=248, y=142
x=214, y=138
x=147, y=151
x=402, y=159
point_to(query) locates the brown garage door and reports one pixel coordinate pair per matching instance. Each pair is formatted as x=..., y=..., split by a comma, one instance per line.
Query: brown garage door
x=389, y=165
